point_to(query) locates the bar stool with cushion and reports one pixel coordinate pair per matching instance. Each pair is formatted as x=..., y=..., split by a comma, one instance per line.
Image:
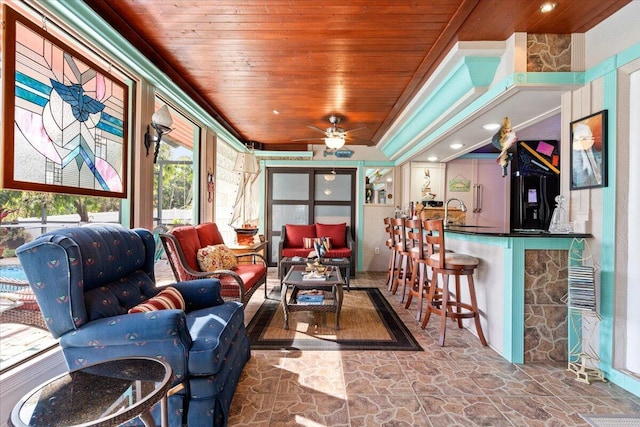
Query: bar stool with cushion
x=400, y=243
x=451, y=264
x=418, y=282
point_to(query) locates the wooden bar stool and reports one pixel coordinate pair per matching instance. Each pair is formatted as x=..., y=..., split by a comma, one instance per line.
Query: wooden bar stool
x=400, y=243
x=451, y=264
x=393, y=253
x=418, y=282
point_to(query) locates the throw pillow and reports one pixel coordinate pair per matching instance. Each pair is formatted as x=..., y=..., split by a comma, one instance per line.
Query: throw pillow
x=295, y=234
x=167, y=299
x=308, y=242
x=216, y=257
x=336, y=232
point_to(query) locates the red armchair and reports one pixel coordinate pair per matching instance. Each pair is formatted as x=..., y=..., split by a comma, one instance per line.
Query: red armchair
x=181, y=245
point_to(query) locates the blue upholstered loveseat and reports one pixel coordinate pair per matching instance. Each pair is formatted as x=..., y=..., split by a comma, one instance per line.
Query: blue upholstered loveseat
x=85, y=280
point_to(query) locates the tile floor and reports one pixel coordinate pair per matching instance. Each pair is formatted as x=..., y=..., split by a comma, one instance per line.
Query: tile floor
x=462, y=384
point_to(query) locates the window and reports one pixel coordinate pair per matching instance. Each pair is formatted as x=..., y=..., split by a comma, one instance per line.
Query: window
x=174, y=189
x=313, y=198
x=26, y=215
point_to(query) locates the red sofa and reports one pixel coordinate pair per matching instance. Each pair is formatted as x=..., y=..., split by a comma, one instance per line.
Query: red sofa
x=292, y=241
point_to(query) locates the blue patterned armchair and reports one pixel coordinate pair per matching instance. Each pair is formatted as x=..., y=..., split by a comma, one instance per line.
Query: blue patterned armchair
x=85, y=280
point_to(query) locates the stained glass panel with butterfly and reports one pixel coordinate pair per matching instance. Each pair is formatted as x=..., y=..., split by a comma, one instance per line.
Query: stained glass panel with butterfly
x=65, y=127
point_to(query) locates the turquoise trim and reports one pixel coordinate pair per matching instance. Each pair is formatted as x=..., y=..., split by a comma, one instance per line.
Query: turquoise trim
x=262, y=225
x=548, y=78
x=608, y=241
x=624, y=380
x=605, y=67
x=361, y=189
x=470, y=74
x=629, y=55
x=607, y=70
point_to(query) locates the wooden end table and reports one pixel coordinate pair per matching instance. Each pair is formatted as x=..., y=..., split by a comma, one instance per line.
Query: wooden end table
x=294, y=280
x=105, y=394
x=256, y=247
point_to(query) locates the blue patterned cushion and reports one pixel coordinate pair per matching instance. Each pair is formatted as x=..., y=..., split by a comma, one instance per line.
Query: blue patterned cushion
x=212, y=330
x=117, y=297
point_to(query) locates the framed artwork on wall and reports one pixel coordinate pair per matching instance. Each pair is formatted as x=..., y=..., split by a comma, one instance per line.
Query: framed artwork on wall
x=64, y=117
x=589, y=151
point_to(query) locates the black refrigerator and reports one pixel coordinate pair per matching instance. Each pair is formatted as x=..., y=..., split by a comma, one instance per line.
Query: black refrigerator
x=535, y=183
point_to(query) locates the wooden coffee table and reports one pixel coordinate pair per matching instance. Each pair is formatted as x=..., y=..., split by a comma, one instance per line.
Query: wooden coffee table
x=294, y=281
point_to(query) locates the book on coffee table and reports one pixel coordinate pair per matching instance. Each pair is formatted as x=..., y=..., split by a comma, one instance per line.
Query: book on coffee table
x=311, y=296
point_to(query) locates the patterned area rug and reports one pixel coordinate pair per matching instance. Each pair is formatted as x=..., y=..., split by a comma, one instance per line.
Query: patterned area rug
x=367, y=322
x=612, y=420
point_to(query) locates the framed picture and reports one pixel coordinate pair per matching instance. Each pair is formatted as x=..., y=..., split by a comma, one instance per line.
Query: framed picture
x=589, y=151
x=64, y=122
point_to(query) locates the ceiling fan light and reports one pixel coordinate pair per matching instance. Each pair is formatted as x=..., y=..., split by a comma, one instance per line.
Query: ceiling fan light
x=334, y=142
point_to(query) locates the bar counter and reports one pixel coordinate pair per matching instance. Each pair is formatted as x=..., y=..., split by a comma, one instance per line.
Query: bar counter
x=515, y=266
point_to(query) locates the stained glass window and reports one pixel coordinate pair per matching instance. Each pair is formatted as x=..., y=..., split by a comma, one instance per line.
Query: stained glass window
x=66, y=125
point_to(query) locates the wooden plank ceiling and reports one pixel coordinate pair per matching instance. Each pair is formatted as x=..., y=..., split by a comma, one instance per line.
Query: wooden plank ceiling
x=362, y=60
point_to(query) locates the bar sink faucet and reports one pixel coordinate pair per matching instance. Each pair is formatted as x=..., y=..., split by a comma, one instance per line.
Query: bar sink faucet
x=463, y=208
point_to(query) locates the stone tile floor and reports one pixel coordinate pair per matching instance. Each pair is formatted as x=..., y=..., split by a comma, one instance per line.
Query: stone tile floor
x=461, y=384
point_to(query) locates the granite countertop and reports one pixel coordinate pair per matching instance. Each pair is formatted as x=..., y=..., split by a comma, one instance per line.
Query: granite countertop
x=507, y=232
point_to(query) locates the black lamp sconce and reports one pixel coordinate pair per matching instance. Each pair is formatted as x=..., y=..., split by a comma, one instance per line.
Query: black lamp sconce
x=161, y=122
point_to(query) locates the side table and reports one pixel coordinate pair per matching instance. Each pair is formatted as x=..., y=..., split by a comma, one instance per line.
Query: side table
x=257, y=247
x=105, y=394
x=295, y=280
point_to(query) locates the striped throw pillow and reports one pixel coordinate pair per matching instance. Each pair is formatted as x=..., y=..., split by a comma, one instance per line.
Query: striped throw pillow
x=167, y=299
x=309, y=241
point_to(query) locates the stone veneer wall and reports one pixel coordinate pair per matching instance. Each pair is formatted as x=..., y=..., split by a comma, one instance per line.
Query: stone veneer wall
x=548, y=52
x=545, y=315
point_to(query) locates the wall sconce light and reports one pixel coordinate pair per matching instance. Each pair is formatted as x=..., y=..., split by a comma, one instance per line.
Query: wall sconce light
x=161, y=122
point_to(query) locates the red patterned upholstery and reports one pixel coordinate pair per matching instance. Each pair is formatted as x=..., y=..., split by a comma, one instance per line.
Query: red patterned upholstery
x=181, y=245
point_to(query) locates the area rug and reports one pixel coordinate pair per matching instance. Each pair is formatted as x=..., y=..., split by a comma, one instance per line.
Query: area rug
x=367, y=322
x=616, y=420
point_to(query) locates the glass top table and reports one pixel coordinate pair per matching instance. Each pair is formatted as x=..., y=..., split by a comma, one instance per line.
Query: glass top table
x=104, y=394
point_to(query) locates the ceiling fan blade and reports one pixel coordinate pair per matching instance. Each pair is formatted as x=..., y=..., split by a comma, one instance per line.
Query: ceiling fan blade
x=323, y=131
x=356, y=130
x=355, y=139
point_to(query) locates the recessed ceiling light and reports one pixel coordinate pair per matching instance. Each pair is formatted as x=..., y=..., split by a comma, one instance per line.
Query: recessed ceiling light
x=432, y=158
x=491, y=126
x=456, y=146
x=548, y=7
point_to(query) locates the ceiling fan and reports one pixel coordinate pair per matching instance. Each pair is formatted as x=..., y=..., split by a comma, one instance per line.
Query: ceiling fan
x=334, y=136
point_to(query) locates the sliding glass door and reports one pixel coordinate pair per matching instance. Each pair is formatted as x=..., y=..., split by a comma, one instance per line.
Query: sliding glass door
x=305, y=196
